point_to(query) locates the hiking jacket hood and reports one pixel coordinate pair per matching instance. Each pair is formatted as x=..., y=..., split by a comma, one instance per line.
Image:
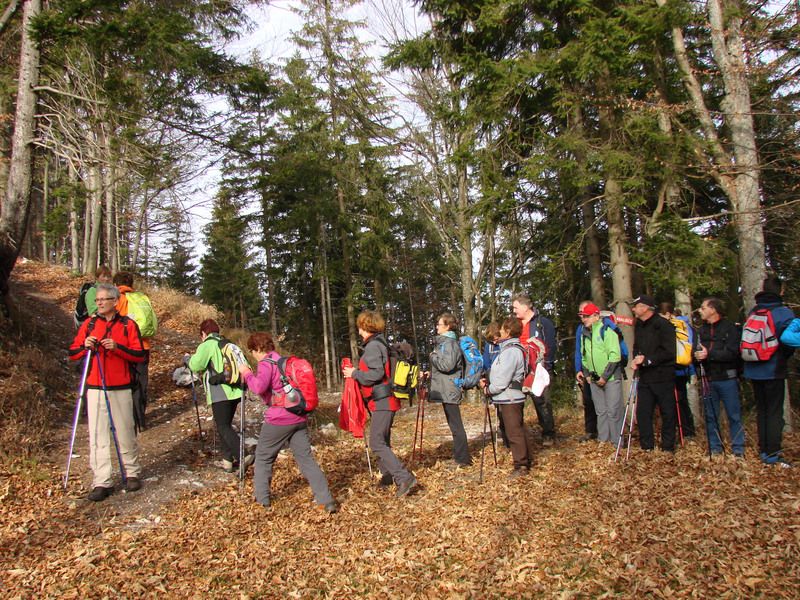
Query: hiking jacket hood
x=775, y=367
x=507, y=368
x=208, y=351
x=115, y=364
x=447, y=365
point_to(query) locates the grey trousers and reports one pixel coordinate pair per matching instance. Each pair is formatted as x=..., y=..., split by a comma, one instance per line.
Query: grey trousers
x=270, y=441
x=610, y=410
x=380, y=430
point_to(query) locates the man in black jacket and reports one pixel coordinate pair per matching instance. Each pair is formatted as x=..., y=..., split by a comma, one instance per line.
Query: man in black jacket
x=717, y=352
x=654, y=364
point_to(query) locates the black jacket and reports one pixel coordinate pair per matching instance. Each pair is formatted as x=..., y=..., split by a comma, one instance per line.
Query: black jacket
x=721, y=339
x=655, y=339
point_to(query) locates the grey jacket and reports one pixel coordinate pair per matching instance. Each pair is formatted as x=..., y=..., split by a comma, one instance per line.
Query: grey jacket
x=508, y=367
x=447, y=364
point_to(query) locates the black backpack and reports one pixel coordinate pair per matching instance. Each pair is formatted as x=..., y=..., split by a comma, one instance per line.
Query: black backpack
x=81, y=312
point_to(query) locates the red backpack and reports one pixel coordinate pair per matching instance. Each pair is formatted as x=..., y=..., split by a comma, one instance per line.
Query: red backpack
x=759, y=341
x=534, y=351
x=299, y=394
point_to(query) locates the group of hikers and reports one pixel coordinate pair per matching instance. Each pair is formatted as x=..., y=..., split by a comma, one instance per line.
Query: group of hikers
x=516, y=364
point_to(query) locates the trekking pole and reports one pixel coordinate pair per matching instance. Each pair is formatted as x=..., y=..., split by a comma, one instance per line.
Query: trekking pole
x=492, y=432
x=419, y=423
x=483, y=443
x=633, y=415
x=242, y=466
x=197, y=412
x=678, y=413
x=122, y=471
x=76, y=418
x=631, y=393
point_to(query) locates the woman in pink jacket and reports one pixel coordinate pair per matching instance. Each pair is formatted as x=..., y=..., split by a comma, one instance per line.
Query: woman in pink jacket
x=280, y=427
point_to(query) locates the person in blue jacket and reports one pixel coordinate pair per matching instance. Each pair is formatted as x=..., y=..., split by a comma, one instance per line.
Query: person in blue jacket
x=768, y=377
x=791, y=335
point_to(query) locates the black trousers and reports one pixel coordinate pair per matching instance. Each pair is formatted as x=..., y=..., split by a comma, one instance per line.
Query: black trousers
x=650, y=395
x=769, y=395
x=544, y=413
x=228, y=438
x=452, y=413
x=589, y=413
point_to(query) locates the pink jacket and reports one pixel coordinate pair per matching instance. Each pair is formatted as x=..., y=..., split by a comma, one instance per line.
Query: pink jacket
x=267, y=378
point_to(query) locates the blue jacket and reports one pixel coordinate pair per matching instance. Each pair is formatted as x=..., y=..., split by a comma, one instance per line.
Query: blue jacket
x=490, y=352
x=791, y=335
x=775, y=367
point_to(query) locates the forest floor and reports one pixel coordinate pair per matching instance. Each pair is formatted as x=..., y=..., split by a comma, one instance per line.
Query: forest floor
x=580, y=526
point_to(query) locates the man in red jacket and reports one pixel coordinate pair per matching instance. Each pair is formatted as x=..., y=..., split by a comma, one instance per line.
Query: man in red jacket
x=115, y=343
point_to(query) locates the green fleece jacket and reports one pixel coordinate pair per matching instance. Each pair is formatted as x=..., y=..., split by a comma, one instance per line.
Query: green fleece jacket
x=208, y=350
x=600, y=352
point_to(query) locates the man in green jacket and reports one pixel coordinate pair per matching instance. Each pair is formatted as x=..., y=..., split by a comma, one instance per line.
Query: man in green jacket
x=601, y=356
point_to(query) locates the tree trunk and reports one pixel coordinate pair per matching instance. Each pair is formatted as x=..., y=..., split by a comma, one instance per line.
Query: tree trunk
x=16, y=205
x=73, y=223
x=95, y=194
x=594, y=258
x=45, y=200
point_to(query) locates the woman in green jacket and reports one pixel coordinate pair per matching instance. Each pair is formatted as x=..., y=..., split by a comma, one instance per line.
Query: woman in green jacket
x=601, y=367
x=222, y=398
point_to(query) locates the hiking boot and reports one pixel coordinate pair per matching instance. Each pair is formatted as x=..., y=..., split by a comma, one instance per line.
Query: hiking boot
x=99, y=494
x=226, y=465
x=548, y=441
x=133, y=485
x=518, y=472
x=249, y=459
x=386, y=480
x=404, y=488
x=332, y=507
x=588, y=437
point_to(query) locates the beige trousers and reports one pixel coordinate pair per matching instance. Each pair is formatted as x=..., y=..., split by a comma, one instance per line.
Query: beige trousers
x=102, y=454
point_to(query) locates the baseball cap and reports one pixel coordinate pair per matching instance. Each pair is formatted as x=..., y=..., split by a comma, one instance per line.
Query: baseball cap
x=644, y=299
x=588, y=309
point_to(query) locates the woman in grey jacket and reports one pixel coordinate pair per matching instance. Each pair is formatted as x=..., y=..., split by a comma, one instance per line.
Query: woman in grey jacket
x=505, y=389
x=447, y=364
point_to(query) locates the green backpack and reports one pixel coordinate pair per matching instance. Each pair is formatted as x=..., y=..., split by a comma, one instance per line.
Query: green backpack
x=141, y=311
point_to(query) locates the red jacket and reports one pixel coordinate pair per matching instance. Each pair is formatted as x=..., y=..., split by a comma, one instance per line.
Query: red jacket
x=115, y=364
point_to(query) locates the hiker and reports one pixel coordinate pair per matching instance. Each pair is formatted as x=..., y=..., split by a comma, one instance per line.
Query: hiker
x=280, y=427
x=682, y=374
x=222, y=398
x=145, y=318
x=115, y=343
x=589, y=412
x=654, y=363
x=447, y=365
x=717, y=352
x=535, y=325
x=601, y=370
x=491, y=348
x=504, y=386
x=372, y=375
x=768, y=377
x=86, y=306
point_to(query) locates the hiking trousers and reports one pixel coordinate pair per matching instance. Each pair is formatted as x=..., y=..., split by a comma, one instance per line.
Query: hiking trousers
x=101, y=441
x=229, y=440
x=769, y=395
x=380, y=431
x=544, y=413
x=650, y=395
x=519, y=440
x=270, y=441
x=610, y=409
x=452, y=413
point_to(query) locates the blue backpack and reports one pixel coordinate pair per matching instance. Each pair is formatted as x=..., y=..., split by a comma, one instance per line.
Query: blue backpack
x=473, y=363
x=608, y=323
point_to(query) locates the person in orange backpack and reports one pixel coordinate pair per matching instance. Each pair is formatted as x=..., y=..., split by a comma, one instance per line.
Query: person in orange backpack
x=124, y=282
